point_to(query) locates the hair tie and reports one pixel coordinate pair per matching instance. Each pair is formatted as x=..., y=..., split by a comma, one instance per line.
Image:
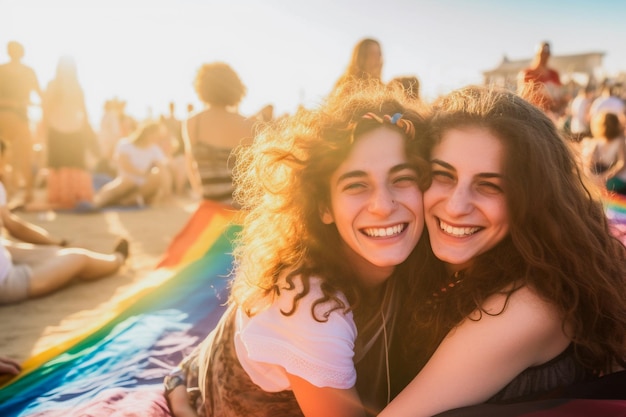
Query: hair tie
x=373, y=116
x=396, y=119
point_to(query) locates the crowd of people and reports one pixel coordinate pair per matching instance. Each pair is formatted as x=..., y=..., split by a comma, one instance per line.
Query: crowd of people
x=397, y=257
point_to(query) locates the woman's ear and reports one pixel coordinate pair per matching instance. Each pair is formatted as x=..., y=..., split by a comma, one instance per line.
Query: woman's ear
x=326, y=215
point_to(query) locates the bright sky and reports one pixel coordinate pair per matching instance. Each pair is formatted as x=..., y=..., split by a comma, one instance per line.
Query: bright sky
x=290, y=52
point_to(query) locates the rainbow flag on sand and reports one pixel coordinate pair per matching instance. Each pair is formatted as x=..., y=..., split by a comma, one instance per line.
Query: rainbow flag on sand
x=119, y=364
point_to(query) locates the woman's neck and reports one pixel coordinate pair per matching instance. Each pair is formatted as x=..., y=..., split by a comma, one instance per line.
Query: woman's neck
x=219, y=109
x=452, y=269
x=370, y=277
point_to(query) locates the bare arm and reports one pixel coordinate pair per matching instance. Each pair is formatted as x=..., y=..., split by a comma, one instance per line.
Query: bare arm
x=26, y=231
x=588, y=159
x=178, y=402
x=192, y=170
x=324, y=402
x=35, y=85
x=621, y=158
x=478, y=358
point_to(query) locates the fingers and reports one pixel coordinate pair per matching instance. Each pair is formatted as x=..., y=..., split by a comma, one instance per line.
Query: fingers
x=9, y=366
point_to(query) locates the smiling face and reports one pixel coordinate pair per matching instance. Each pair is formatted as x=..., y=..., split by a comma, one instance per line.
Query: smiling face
x=465, y=207
x=376, y=205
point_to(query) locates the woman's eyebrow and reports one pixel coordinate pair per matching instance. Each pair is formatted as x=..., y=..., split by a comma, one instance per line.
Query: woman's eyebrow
x=442, y=163
x=451, y=168
x=489, y=175
x=351, y=174
x=401, y=167
x=360, y=173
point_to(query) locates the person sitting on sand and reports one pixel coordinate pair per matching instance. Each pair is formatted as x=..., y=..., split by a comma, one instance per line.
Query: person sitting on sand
x=30, y=270
x=140, y=170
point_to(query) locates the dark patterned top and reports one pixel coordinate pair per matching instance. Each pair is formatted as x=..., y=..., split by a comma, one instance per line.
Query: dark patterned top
x=215, y=168
x=564, y=370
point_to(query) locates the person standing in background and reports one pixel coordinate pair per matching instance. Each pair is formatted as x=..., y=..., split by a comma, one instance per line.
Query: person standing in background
x=366, y=63
x=69, y=137
x=210, y=135
x=109, y=134
x=579, y=111
x=541, y=85
x=17, y=83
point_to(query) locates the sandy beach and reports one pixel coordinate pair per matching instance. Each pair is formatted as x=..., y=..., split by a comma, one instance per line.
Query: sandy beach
x=33, y=326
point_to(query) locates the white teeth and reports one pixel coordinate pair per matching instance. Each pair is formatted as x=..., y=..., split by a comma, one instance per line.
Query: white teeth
x=457, y=231
x=384, y=231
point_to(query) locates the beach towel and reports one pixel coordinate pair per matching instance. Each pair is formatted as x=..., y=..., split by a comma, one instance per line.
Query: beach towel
x=116, y=367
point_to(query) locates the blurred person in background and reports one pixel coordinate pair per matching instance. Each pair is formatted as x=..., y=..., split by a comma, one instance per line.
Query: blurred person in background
x=211, y=134
x=17, y=83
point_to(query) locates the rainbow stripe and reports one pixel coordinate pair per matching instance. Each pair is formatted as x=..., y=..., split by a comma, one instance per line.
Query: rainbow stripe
x=119, y=362
x=615, y=208
x=615, y=205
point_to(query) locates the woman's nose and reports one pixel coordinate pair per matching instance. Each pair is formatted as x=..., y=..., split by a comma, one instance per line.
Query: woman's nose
x=459, y=201
x=382, y=201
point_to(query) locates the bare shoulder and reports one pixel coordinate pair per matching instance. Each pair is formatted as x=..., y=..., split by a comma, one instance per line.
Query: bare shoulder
x=524, y=300
x=526, y=316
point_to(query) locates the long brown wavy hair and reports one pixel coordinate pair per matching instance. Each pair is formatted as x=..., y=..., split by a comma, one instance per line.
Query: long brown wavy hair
x=559, y=241
x=283, y=180
x=355, y=71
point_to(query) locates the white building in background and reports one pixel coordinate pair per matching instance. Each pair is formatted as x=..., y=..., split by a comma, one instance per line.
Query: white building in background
x=583, y=69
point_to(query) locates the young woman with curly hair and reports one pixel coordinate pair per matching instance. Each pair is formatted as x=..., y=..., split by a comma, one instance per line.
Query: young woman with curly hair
x=332, y=200
x=527, y=294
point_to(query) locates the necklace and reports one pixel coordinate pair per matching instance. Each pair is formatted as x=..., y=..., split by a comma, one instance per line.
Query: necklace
x=457, y=279
x=382, y=314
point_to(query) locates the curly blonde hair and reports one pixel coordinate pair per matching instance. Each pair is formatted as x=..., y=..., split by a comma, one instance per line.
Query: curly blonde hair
x=283, y=180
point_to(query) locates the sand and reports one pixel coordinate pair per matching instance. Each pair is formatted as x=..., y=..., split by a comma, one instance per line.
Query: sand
x=34, y=325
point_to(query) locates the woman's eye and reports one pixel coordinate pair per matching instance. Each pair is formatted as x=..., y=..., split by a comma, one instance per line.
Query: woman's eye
x=355, y=186
x=490, y=187
x=405, y=180
x=442, y=176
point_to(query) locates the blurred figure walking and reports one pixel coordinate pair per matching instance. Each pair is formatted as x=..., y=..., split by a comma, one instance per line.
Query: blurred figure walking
x=17, y=83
